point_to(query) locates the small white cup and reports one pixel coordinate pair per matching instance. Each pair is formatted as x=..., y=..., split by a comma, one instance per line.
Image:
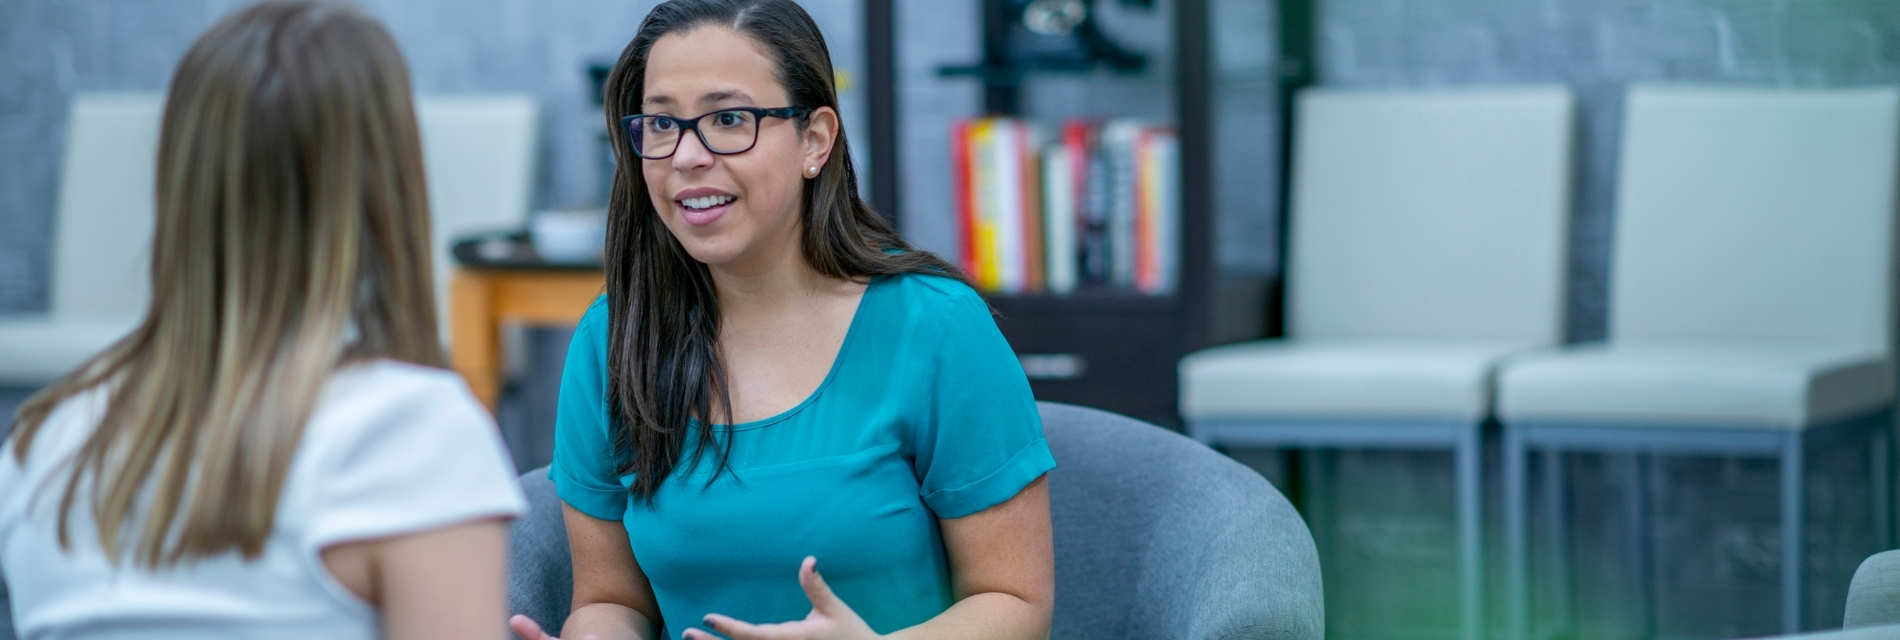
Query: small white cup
x=569, y=236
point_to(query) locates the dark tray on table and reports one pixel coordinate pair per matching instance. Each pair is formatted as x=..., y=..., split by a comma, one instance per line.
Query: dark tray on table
x=507, y=250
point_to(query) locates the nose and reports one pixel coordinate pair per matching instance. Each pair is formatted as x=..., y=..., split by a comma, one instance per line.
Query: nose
x=692, y=153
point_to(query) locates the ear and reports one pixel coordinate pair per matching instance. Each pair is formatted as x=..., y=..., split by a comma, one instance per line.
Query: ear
x=820, y=135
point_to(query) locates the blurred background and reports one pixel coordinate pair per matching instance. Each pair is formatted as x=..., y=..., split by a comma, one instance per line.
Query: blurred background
x=1203, y=89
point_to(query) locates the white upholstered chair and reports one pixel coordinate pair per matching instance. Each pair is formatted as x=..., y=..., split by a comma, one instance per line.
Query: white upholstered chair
x=478, y=152
x=1428, y=244
x=1751, y=304
x=102, y=236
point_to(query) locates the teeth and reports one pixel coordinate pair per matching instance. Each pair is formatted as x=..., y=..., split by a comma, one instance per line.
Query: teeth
x=706, y=202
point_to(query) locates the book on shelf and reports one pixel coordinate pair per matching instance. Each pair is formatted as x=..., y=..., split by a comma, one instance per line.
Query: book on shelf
x=1097, y=206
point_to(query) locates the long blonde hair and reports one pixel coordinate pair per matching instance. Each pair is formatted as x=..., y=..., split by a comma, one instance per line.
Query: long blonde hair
x=292, y=239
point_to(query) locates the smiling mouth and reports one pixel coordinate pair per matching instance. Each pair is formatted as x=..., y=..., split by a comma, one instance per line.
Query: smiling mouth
x=706, y=202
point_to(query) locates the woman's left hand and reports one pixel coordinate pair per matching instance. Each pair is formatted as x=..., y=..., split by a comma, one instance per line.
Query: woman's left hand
x=830, y=618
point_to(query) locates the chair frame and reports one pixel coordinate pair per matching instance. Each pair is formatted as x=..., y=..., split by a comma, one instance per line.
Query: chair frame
x=1788, y=446
x=1464, y=439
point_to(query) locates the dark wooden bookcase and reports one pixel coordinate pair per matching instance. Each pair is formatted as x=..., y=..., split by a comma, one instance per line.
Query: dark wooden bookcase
x=1128, y=343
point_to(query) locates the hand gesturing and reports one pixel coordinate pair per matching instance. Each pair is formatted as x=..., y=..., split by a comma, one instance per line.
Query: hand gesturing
x=830, y=618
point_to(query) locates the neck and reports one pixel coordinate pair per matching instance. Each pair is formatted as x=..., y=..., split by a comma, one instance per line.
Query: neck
x=767, y=283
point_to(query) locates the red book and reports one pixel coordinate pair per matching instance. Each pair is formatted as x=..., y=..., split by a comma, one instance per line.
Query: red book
x=960, y=184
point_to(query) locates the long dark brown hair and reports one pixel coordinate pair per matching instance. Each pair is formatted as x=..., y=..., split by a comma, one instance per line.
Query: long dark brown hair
x=663, y=368
x=291, y=213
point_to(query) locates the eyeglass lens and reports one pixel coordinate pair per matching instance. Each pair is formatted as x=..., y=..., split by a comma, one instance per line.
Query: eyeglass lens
x=723, y=132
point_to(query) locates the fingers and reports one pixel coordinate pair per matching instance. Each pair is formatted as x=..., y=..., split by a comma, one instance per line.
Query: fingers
x=826, y=609
x=822, y=599
x=526, y=629
x=741, y=630
x=695, y=634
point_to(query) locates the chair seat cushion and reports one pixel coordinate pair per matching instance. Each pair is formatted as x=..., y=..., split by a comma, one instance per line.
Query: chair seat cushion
x=36, y=350
x=1727, y=385
x=1331, y=379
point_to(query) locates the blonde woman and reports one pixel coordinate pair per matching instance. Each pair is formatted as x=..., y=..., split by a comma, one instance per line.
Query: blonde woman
x=275, y=451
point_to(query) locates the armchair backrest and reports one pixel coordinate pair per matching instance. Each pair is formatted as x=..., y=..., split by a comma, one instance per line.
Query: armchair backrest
x=1158, y=536
x=1873, y=598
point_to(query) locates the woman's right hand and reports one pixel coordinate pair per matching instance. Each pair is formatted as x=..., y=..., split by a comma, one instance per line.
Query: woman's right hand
x=526, y=629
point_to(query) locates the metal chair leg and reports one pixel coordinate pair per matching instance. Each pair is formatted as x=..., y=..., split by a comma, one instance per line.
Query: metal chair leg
x=1881, y=473
x=1315, y=506
x=1793, y=521
x=1556, y=527
x=1470, y=533
x=1643, y=568
x=1516, y=538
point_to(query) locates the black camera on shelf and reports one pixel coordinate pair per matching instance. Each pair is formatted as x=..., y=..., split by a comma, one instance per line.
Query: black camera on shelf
x=1046, y=35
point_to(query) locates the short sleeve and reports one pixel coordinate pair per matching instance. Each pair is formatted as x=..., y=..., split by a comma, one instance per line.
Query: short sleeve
x=981, y=441
x=407, y=449
x=584, y=470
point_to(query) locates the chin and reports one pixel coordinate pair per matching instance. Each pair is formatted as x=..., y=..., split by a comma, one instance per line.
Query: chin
x=711, y=251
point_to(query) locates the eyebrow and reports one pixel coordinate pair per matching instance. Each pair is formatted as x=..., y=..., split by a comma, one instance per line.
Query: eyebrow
x=716, y=96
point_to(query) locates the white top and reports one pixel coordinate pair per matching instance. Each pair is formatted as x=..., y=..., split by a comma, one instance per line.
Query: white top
x=391, y=448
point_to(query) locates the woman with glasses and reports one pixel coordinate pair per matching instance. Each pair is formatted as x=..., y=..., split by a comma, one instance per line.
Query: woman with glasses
x=275, y=451
x=782, y=421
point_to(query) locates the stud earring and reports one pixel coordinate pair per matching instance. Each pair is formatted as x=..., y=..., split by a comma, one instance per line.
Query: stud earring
x=811, y=171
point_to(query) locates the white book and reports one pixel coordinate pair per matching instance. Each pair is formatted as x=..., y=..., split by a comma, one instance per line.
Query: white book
x=1167, y=154
x=1008, y=191
x=1118, y=140
x=1058, y=219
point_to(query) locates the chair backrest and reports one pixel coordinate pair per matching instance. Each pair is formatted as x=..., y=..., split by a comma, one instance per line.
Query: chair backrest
x=1156, y=537
x=541, y=573
x=102, y=237
x=1439, y=214
x=1761, y=215
x=1873, y=598
x=479, y=153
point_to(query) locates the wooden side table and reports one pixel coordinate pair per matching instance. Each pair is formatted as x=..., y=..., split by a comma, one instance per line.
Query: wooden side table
x=481, y=299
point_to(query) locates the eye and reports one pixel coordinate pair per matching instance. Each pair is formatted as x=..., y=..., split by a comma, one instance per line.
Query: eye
x=730, y=119
x=660, y=124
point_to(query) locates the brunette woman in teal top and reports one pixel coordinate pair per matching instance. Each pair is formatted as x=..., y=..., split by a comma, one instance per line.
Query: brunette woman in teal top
x=874, y=464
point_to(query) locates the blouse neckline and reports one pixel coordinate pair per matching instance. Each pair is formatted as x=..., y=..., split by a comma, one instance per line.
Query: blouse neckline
x=837, y=361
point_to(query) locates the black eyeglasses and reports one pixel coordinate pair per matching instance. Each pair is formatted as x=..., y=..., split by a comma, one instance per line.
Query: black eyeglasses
x=731, y=131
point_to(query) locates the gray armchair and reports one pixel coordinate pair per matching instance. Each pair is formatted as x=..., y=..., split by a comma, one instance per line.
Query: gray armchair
x=1156, y=537
x=1873, y=598
x=1873, y=603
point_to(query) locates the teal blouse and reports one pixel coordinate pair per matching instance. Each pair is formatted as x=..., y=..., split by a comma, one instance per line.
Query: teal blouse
x=925, y=414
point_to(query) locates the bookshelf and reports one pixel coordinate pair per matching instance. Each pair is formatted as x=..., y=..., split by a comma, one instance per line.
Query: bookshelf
x=1106, y=343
